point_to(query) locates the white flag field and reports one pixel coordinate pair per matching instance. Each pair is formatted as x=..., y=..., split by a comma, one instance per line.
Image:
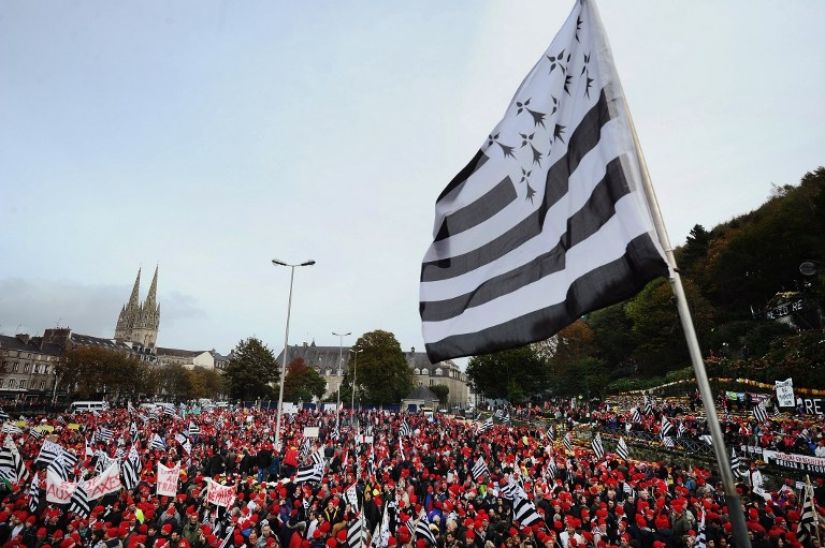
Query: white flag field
x=550, y=219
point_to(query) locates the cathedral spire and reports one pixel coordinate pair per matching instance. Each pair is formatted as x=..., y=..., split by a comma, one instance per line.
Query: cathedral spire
x=152, y=298
x=134, y=300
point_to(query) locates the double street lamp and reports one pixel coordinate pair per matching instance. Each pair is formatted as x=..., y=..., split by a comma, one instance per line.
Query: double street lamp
x=355, y=353
x=340, y=367
x=292, y=268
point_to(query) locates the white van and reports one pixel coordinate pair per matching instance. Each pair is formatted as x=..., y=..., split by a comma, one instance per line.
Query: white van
x=88, y=406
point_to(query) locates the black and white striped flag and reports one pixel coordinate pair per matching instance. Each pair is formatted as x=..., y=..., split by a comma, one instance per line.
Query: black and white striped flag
x=668, y=442
x=79, y=503
x=35, y=433
x=486, y=425
x=49, y=452
x=736, y=464
x=707, y=438
x=357, y=532
x=318, y=458
x=598, y=447
x=525, y=512
x=157, y=442
x=648, y=404
x=568, y=441
x=351, y=495
x=194, y=429
x=681, y=431
x=622, y=450
x=637, y=417
x=12, y=468
x=760, y=413
x=549, y=220
x=34, y=494
x=130, y=474
x=105, y=434
x=422, y=530
x=552, y=469
x=666, y=428
x=805, y=528
x=479, y=468
x=303, y=451
x=311, y=474
x=551, y=434
x=405, y=430
x=3, y=415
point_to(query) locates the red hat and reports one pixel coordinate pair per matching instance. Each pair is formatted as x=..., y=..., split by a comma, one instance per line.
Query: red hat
x=166, y=529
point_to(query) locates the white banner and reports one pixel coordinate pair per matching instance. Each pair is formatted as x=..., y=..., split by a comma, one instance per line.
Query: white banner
x=105, y=483
x=168, y=480
x=220, y=495
x=784, y=393
x=798, y=462
x=58, y=490
x=311, y=431
x=289, y=407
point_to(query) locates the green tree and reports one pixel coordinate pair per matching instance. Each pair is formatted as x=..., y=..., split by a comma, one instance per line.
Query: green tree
x=383, y=375
x=88, y=372
x=250, y=371
x=515, y=374
x=176, y=382
x=303, y=383
x=442, y=391
x=660, y=342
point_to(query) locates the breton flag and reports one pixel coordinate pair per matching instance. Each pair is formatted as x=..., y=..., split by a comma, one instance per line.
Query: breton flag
x=34, y=494
x=551, y=434
x=666, y=428
x=105, y=434
x=805, y=529
x=637, y=417
x=568, y=441
x=194, y=429
x=682, y=430
x=760, y=413
x=351, y=495
x=422, y=529
x=648, y=405
x=12, y=468
x=549, y=219
x=157, y=442
x=9, y=428
x=736, y=464
x=479, y=468
x=598, y=447
x=622, y=449
x=552, y=469
x=357, y=532
x=486, y=425
x=79, y=503
x=524, y=512
x=312, y=474
x=405, y=429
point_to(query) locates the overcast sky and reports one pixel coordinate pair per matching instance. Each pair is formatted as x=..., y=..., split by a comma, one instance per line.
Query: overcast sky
x=210, y=136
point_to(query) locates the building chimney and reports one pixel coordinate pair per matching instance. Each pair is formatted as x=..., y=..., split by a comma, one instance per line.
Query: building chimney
x=23, y=337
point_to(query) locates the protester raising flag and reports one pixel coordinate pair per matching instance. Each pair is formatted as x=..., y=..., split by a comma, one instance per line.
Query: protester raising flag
x=622, y=450
x=598, y=448
x=549, y=220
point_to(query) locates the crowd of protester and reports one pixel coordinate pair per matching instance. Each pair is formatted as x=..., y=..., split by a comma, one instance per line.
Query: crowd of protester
x=393, y=474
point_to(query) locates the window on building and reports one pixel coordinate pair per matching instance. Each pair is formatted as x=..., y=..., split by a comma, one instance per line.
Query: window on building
x=425, y=371
x=22, y=384
x=1, y=383
x=439, y=371
x=11, y=383
x=42, y=385
x=417, y=371
x=432, y=382
x=26, y=367
x=15, y=368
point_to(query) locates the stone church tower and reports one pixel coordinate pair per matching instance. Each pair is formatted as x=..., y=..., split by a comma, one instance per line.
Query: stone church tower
x=138, y=322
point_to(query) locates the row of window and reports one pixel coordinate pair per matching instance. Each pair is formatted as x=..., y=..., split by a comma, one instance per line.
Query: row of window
x=15, y=354
x=22, y=384
x=14, y=367
x=417, y=371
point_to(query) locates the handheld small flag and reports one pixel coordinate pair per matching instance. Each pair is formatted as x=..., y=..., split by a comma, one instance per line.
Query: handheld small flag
x=598, y=447
x=622, y=450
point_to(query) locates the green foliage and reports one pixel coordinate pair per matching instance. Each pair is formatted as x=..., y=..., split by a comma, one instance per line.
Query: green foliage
x=251, y=370
x=442, y=391
x=382, y=374
x=303, y=383
x=515, y=374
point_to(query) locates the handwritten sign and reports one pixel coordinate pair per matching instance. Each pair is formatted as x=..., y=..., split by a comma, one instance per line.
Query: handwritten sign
x=784, y=393
x=311, y=431
x=168, y=480
x=105, y=483
x=58, y=490
x=220, y=495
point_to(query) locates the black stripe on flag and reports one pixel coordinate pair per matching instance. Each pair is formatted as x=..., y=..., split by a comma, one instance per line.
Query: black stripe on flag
x=496, y=199
x=479, y=468
x=79, y=503
x=601, y=287
x=422, y=531
x=461, y=177
x=525, y=512
x=584, y=139
x=581, y=225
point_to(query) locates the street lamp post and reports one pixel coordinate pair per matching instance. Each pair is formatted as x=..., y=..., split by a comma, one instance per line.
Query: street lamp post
x=354, y=379
x=340, y=367
x=291, y=267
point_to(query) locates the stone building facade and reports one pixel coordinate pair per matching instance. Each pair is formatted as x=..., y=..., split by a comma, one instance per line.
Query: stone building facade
x=28, y=365
x=331, y=364
x=138, y=322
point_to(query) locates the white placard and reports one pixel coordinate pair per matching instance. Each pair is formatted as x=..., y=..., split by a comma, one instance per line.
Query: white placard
x=310, y=431
x=784, y=393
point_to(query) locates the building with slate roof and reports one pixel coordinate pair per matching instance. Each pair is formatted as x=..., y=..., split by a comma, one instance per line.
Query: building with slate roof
x=331, y=363
x=28, y=365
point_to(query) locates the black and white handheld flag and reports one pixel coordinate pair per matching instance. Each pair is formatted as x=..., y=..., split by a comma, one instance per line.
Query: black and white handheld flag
x=357, y=532
x=524, y=512
x=312, y=474
x=194, y=429
x=12, y=468
x=405, y=430
x=422, y=530
x=805, y=529
x=736, y=464
x=479, y=468
x=637, y=417
x=666, y=428
x=681, y=430
x=568, y=441
x=486, y=425
x=648, y=404
x=79, y=503
x=701, y=537
x=104, y=434
x=598, y=447
x=549, y=219
x=551, y=434
x=622, y=450
x=760, y=413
